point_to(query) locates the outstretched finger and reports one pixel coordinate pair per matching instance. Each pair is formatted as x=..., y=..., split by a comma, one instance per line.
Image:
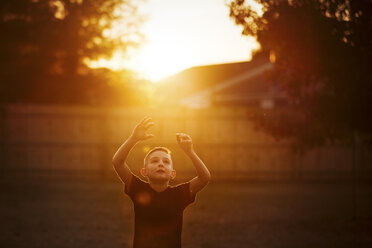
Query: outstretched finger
x=178, y=138
x=147, y=121
x=183, y=136
x=143, y=120
x=148, y=136
x=149, y=124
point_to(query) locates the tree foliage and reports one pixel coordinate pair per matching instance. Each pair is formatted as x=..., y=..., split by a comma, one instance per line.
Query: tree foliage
x=45, y=43
x=323, y=59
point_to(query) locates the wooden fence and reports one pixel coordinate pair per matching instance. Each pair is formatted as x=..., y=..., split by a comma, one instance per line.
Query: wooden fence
x=83, y=140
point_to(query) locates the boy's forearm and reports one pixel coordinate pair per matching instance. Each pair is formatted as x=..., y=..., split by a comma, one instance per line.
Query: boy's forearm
x=123, y=151
x=201, y=170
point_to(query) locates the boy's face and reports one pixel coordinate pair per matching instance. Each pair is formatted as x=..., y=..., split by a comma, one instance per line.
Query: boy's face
x=159, y=167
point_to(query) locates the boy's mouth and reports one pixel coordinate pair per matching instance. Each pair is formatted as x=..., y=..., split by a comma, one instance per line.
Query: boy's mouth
x=160, y=171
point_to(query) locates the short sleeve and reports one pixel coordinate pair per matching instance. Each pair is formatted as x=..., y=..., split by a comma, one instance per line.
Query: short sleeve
x=133, y=186
x=184, y=194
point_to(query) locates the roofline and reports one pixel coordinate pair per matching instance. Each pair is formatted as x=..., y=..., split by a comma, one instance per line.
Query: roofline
x=190, y=100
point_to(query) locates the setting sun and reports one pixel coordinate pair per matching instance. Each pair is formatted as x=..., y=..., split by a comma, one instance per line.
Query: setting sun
x=182, y=34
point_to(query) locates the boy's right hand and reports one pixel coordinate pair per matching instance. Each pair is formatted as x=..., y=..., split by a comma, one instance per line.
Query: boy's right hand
x=139, y=132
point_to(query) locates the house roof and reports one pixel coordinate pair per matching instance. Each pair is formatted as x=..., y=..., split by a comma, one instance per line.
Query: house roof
x=204, y=85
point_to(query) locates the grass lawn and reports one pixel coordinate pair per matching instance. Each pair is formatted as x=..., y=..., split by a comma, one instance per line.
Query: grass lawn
x=45, y=211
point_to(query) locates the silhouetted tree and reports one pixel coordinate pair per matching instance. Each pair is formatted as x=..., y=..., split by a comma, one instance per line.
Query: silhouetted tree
x=323, y=57
x=44, y=44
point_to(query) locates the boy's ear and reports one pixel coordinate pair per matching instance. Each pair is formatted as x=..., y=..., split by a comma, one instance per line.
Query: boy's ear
x=143, y=171
x=173, y=175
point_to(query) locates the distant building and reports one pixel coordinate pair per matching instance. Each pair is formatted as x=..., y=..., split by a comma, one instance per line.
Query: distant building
x=79, y=139
x=233, y=84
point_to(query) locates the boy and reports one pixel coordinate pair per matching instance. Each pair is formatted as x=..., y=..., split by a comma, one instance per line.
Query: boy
x=158, y=207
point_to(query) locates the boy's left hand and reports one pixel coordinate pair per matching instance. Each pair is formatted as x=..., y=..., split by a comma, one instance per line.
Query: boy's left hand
x=185, y=142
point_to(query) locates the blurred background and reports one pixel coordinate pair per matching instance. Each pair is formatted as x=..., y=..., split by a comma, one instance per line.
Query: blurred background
x=275, y=95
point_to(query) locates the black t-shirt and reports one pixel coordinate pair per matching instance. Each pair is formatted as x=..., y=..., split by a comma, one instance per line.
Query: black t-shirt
x=158, y=215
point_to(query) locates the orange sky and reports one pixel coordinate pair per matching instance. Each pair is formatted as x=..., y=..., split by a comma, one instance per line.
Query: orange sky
x=181, y=34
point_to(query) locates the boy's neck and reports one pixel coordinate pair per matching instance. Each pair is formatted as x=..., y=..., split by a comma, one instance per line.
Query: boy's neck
x=159, y=186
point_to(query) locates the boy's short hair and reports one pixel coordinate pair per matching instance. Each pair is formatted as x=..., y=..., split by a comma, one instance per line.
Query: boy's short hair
x=158, y=148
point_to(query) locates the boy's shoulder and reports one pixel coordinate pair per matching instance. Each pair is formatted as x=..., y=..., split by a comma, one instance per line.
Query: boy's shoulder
x=134, y=183
x=183, y=189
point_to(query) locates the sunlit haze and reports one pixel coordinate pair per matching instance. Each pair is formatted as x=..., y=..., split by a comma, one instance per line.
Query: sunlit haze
x=180, y=34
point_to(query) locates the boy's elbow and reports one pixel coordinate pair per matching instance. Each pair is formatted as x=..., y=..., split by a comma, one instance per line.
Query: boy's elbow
x=115, y=163
x=207, y=177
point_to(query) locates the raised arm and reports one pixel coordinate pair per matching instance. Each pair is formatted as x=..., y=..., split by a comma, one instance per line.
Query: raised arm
x=120, y=157
x=203, y=175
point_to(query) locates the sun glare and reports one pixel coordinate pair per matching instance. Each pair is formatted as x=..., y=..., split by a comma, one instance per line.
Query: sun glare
x=153, y=61
x=160, y=57
x=180, y=35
